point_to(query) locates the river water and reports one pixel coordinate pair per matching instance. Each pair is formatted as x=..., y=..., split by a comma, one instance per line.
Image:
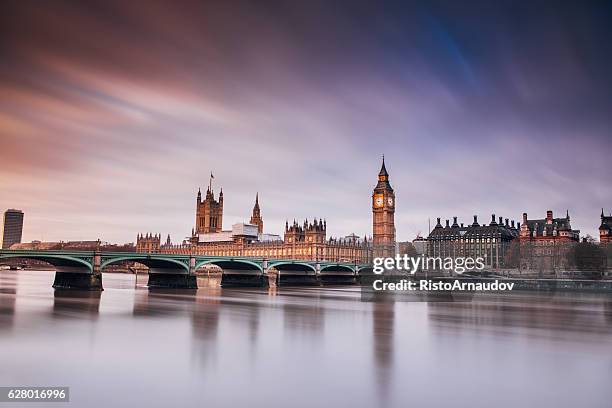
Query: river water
x=301, y=347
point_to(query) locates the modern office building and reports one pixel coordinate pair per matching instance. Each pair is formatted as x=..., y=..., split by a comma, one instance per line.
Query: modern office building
x=12, y=228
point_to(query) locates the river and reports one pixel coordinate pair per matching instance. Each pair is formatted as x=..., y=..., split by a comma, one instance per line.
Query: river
x=301, y=347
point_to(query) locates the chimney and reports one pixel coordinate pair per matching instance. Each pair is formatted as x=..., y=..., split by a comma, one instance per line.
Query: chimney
x=549, y=217
x=447, y=224
x=461, y=225
x=501, y=221
x=475, y=224
x=512, y=224
x=455, y=222
x=493, y=219
x=507, y=225
x=524, y=218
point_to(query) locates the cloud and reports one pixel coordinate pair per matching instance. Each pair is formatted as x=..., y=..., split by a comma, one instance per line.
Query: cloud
x=111, y=116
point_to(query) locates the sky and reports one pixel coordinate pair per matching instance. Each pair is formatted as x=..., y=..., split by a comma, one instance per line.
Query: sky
x=112, y=115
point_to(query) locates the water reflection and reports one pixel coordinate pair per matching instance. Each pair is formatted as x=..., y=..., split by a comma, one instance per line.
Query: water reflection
x=383, y=319
x=303, y=347
x=558, y=316
x=8, y=294
x=76, y=304
x=163, y=302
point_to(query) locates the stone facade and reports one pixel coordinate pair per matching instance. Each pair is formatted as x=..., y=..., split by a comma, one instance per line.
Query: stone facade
x=546, y=244
x=491, y=242
x=307, y=240
x=209, y=213
x=383, y=216
x=256, y=216
x=605, y=228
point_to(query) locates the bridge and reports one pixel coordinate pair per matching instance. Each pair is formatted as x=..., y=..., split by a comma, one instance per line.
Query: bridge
x=83, y=269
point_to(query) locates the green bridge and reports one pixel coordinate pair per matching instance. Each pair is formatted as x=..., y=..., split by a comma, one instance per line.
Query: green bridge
x=83, y=269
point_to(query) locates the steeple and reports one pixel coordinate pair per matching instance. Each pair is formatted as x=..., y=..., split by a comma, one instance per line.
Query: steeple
x=256, y=216
x=383, y=178
x=383, y=169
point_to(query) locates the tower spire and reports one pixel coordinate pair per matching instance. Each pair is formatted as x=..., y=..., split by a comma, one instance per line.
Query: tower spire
x=256, y=218
x=383, y=169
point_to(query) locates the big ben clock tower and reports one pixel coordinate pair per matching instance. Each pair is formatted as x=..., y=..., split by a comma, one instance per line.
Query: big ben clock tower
x=383, y=215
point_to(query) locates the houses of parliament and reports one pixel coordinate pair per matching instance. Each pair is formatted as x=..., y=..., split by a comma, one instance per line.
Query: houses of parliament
x=301, y=240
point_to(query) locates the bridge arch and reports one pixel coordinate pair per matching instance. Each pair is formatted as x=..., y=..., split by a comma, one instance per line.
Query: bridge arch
x=229, y=263
x=338, y=268
x=155, y=264
x=292, y=265
x=365, y=270
x=236, y=272
x=61, y=262
x=294, y=272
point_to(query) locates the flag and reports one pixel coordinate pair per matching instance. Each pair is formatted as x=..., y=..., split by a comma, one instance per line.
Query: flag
x=211, y=175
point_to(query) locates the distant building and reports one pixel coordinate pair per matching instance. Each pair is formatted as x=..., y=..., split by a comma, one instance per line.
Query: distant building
x=545, y=243
x=12, y=228
x=209, y=213
x=605, y=228
x=490, y=242
x=74, y=246
x=307, y=240
x=406, y=248
x=420, y=245
x=256, y=216
x=383, y=216
x=148, y=242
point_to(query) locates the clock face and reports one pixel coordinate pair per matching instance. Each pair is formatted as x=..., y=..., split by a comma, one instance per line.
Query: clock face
x=379, y=200
x=390, y=201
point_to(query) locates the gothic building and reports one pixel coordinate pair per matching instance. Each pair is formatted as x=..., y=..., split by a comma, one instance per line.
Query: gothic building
x=209, y=213
x=605, y=228
x=490, y=242
x=383, y=215
x=307, y=240
x=545, y=243
x=148, y=242
x=256, y=216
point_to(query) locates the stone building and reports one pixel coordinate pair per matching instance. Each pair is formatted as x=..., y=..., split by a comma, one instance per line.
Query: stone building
x=383, y=215
x=209, y=213
x=490, y=242
x=545, y=243
x=605, y=228
x=256, y=216
x=307, y=240
x=148, y=242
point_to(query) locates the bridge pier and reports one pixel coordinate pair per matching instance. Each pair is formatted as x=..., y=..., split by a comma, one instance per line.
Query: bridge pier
x=175, y=279
x=172, y=281
x=79, y=281
x=75, y=278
